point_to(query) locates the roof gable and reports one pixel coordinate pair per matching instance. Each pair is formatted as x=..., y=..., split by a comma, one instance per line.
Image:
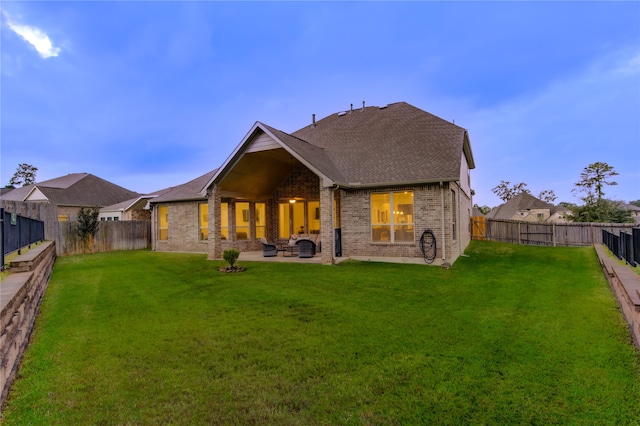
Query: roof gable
x=264, y=159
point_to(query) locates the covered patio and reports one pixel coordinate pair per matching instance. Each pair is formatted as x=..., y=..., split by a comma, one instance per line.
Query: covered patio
x=267, y=190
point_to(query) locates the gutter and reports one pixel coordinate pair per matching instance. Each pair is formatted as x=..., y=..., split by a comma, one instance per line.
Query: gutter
x=358, y=185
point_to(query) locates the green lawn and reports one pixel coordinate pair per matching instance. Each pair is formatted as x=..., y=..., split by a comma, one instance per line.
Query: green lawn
x=508, y=335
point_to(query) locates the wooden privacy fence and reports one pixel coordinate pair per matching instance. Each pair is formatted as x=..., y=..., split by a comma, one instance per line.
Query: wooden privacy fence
x=116, y=235
x=543, y=233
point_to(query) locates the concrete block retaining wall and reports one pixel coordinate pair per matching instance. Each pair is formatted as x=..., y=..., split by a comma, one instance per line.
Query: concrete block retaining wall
x=20, y=296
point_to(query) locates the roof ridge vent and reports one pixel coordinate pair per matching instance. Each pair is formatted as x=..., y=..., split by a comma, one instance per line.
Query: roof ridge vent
x=383, y=106
x=340, y=114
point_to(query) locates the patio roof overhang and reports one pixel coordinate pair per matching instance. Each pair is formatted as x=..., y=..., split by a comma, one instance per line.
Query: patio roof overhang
x=256, y=175
x=260, y=164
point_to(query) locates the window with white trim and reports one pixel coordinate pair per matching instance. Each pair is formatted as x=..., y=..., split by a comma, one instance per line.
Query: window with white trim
x=392, y=217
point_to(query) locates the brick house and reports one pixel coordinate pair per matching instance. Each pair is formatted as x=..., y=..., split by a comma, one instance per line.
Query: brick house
x=373, y=177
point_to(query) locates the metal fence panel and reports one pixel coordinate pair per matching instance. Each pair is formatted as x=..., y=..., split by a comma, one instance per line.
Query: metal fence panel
x=636, y=246
x=19, y=231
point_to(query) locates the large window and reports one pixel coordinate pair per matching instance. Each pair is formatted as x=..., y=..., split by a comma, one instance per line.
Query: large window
x=203, y=221
x=242, y=221
x=392, y=217
x=224, y=221
x=163, y=223
x=261, y=220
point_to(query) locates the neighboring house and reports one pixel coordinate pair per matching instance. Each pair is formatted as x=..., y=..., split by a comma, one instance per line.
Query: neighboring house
x=635, y=210
x=71, y=192
x=527, y=208
x=134, y=209
x=368, y=181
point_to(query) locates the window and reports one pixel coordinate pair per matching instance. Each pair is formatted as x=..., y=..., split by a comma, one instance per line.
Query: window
x=284, y=229
x=163, y=223
x=203, y=221
x=116, y=218
x=224, y=221
x=314, y=217
x=392, y=217
x=261, y=220
x=291, y=219
x=242, y=221
x=454, y=218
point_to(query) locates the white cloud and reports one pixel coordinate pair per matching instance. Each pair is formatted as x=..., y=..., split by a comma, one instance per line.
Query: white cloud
x=35, y=37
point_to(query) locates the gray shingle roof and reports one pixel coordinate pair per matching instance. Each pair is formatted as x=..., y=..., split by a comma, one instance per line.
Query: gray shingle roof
x=315, y=155
x=185, y=192
x=76, y=189
x=398, y=143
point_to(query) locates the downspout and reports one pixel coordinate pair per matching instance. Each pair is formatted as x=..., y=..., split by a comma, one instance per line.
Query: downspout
x=444, y=241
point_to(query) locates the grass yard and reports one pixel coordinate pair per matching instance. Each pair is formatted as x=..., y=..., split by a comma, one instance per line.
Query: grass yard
x=508, y=335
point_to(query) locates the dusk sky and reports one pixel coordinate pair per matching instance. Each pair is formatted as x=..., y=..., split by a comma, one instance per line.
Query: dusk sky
x=149, y=95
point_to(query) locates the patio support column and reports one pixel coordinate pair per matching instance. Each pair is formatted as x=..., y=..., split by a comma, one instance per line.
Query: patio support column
x=215, y=242
x=327, y=233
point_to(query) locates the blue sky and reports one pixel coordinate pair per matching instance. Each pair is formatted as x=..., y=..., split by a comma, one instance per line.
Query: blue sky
x=153, y=94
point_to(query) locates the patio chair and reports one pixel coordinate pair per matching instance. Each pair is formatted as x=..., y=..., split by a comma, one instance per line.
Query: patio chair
x=306, y=248
x=268, y=249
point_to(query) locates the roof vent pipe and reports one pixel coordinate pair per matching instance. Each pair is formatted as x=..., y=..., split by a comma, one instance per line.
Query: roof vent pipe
x=313, y=120
x=363, y=105
x=351, y=109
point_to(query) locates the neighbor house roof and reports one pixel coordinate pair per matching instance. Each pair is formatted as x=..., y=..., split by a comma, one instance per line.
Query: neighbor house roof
x=520, y=202
x=134, y=203
x=374, y=146
x=189, y=191
x=75, y=189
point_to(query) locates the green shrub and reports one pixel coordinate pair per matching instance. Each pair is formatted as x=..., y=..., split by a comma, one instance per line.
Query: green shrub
x=231, y=255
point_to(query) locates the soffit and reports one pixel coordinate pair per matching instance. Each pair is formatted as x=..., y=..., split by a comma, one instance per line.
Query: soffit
x=256, y=175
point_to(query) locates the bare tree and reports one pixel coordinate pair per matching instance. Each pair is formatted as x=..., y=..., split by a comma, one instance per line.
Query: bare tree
x=506, y=192
x=548, y=196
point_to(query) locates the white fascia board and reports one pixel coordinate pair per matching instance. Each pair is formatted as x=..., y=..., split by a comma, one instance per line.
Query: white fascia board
x=231, y=159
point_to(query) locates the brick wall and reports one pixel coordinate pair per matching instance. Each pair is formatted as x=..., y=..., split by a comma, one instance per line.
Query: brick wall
x=355, y=214
x=184, y=229
x=353, y=218
x=20, y=296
